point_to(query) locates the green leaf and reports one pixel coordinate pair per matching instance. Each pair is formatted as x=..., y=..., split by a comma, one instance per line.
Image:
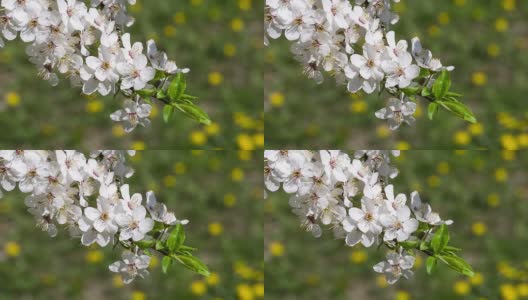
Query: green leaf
x=161, y=95
x=160, y=75
x=410, y=91
x=148, y=100
x=426, y=92
x=177, y=87
x=452, y=249
x=145, y=244
x=453, y=94
x=165, y=263
x=424, y=246
x=146, y=93
x=188, y=97
x=423, y=226
x=193, y=264
x=424, y=72
x=176, y=238
x=168, y=112
x=158, y=226
x=432, y=110
x=440, y=239
x=431, y=264
x=442, y=85
x=457, y=108
x=159, y=245
x=410, y=244
x=187, y=248
x=194, y=112
x=458, y=264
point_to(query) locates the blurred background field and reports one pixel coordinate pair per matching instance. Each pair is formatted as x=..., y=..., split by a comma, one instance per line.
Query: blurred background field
x=486, y=195
x=219, y=192
x=220, y=41
x=485, y=40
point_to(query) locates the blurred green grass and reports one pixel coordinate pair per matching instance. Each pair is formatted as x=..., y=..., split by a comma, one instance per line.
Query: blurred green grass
x=485, y=193
x=485, y=40
x=220, y=41
x=219, y=192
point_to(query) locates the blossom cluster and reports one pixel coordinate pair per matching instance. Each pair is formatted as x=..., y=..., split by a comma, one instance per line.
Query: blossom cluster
x=351, y=40
x=354, y=197
x=88, y=44
x=88, y=196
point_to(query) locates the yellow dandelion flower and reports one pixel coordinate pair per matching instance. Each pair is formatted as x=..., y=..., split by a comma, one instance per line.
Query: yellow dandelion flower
x=212, y=129
x=381, y=281
x=213, y=279
x=138, y=145
x=118, y=131
x=443, y=18
x=138, y=295
x=245, y=142
x=402, y=295
x=276, y=248
x=358, y=256
x=169, y=181
x=493, y=50
x=501, y=25
x=215, y=78
x=479, y=228
x=462, y=138
x=12, y=99
x=509, y=142
x=12, y=249
x=508, y=5
x=198, y=287
x=508, y=292
x=479, y=78
x=433, y=181
x=244, y=4
x=403, y=146
x=493, y=200
x=276, y=99
x=237, y=25
x=180, y=18
x=117, y=281
x=476, y=129
x=180, y=168
x=229, y=50
x=477, y=279
x=198, y=138
x=215, y=228
x=358, y=106
x=237, y=174
x=169, y=31
x=462, y=288
x=94, y=256
x=258, y=290
x=443, y=168
x=244, y=292
x=501, y=175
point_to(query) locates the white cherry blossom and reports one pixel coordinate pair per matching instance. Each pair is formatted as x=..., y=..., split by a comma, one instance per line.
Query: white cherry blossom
x=353, y=196
x=396, y=266
x=398, y=112
x=131, y=266
x=133, y=114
